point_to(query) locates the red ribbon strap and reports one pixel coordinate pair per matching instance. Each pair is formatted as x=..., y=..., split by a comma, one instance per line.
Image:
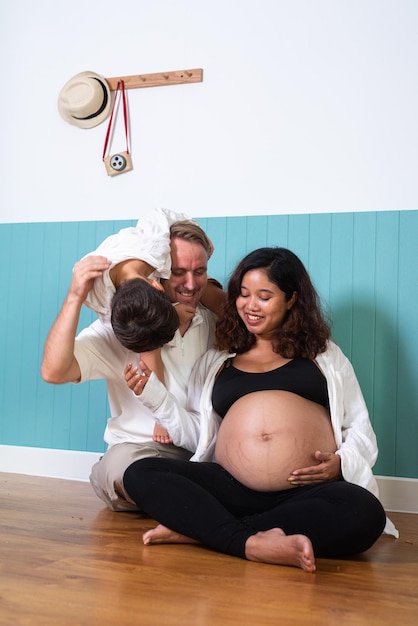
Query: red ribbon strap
x=119, y=89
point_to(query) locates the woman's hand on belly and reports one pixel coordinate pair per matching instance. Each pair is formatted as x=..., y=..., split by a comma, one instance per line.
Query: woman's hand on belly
x=328, y=468
x=268, y=435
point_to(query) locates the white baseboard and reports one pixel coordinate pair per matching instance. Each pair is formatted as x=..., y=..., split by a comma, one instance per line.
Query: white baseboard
x=396, y=494
x=70, y=464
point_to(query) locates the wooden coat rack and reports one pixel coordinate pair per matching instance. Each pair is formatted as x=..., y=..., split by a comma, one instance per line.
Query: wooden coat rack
x=160, y=79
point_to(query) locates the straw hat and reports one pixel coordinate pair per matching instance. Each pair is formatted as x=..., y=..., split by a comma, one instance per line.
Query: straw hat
x=85, y=100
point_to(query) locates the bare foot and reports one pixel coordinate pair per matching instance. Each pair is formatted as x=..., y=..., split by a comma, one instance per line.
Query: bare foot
x=162, y=534
x=273, y=546
x=161, y=435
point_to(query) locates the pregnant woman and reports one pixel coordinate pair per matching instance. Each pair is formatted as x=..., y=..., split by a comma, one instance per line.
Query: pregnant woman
x=278, y=422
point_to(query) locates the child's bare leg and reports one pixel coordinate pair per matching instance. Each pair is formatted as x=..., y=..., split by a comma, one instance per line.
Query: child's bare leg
x=155, y=363
x=161, y=435
x=162, y=534
x=273, y=546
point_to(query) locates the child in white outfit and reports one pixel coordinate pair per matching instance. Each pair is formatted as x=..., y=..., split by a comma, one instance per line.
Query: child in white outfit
x=140, y=252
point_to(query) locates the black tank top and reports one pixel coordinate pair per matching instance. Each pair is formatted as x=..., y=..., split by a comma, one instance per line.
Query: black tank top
x=300, y=376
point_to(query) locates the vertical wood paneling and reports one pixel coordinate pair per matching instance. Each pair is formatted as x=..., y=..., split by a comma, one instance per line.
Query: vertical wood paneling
x=8, y=276
x=407, y=379
x=236, y=243
x=386, y=339
x=319, y=255
x=364, y=265
x=277, y=231
x=341, y=280
x=15, y=319
x=256, y=232
x=31, y=304
x=298, y=236
x=364, y=302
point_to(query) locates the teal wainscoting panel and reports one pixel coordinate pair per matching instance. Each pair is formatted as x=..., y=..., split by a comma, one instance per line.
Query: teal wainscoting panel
x=383, y=404
x=277, y=230
x=407, y=374
x=341, y=280
x=364, y=266
x=364, y=300
x=298, y=236
x=319, y=255
x=256, y=232
x=236, y=243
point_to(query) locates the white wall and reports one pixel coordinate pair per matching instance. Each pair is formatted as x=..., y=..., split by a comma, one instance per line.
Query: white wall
x=305, y=106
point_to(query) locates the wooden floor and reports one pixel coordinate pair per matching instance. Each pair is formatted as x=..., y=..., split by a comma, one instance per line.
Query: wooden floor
x=65, y=559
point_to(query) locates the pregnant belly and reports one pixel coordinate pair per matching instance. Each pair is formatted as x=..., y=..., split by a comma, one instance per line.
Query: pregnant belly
x=267, y=434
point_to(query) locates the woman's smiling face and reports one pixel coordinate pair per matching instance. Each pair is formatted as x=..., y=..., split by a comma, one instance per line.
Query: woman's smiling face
x=262, y=305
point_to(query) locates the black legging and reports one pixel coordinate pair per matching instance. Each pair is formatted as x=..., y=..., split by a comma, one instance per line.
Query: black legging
x=204, y=502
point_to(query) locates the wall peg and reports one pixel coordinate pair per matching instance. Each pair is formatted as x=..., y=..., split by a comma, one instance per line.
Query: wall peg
x=159, y=79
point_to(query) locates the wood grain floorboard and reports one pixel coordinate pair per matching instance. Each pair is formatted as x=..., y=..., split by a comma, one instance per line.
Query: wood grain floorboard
x=65, y=559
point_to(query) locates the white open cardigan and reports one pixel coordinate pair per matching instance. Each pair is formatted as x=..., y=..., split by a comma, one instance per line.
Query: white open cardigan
x=195, y=427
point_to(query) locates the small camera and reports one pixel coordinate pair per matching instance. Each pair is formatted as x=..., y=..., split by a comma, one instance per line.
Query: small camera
x=118, y=163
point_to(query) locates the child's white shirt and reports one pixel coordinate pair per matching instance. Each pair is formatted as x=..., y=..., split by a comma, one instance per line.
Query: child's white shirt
x=148, y=241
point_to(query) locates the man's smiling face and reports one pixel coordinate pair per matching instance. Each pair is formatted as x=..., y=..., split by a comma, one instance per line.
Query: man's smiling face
x=189, y=276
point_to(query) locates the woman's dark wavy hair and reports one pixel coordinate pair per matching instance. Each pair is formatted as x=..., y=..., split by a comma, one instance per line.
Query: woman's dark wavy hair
x=142, y=317
x=304, y=332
